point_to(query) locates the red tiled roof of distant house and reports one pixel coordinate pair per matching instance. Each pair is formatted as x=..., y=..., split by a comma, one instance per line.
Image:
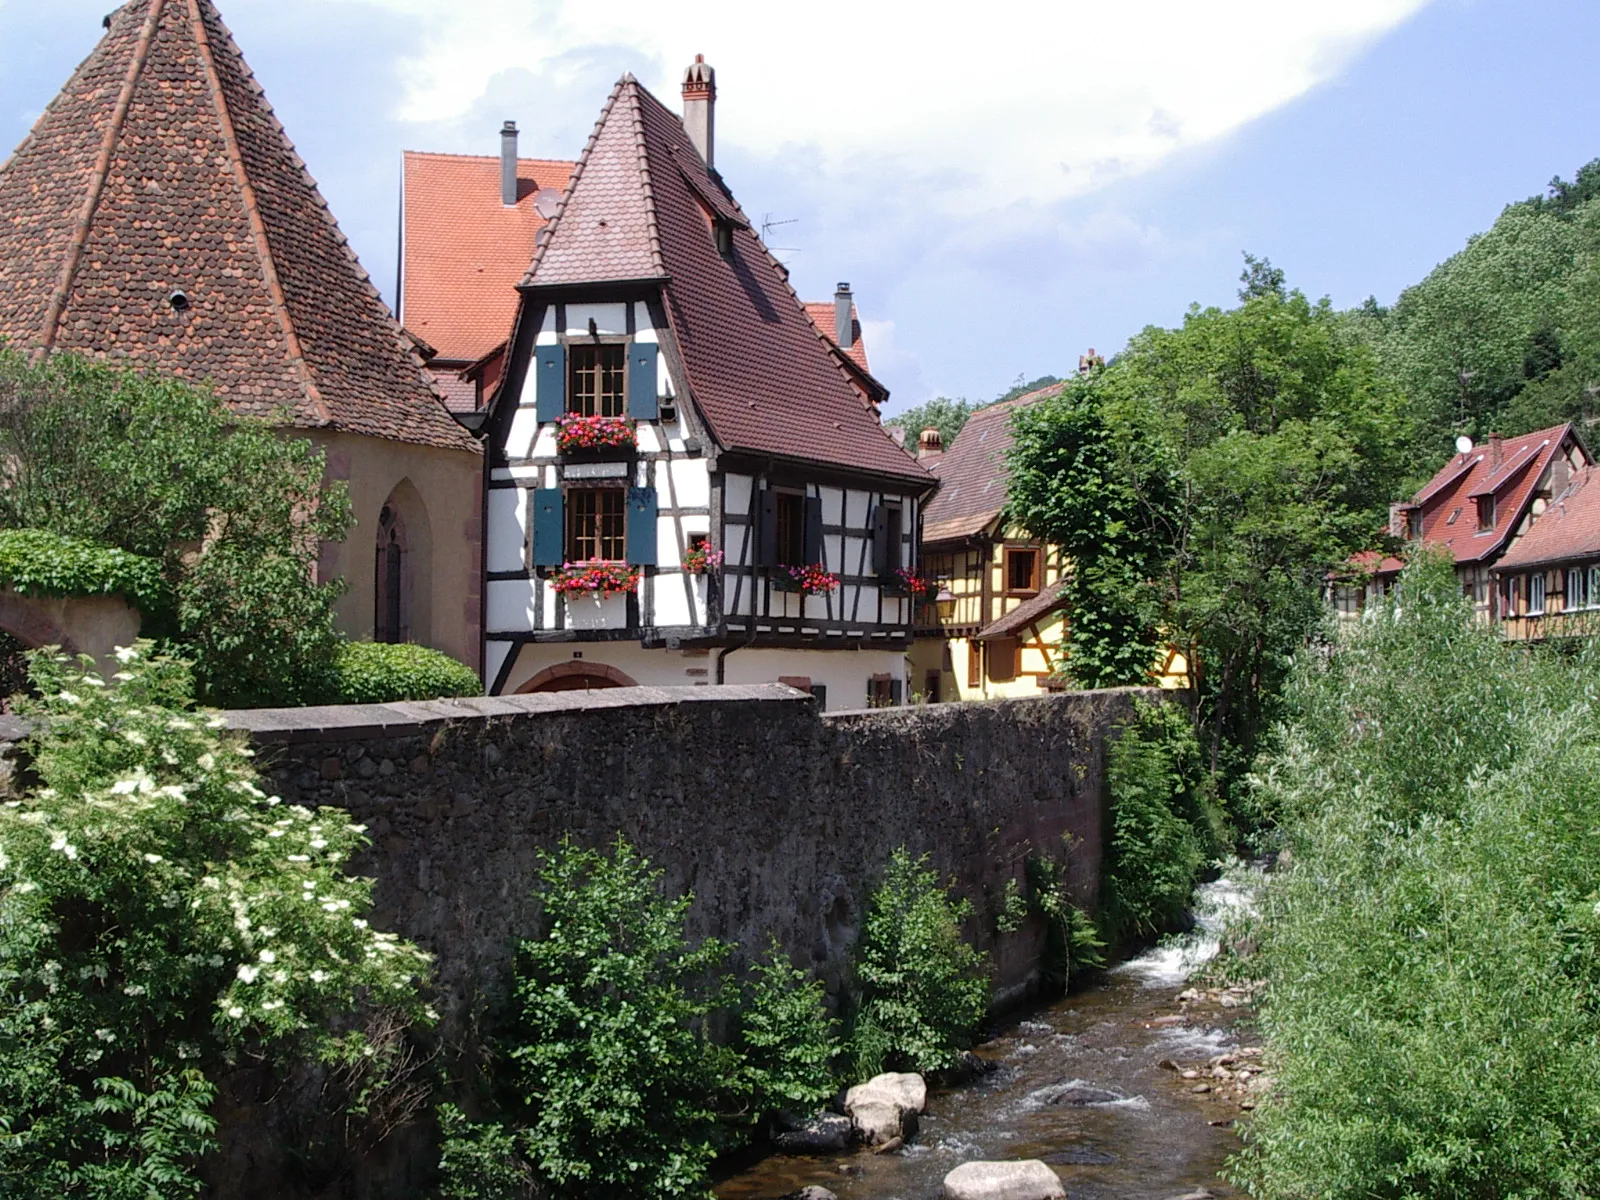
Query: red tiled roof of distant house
x=824, y=317
x=642, y=206
x=158, y=216
x=464, y=250
x=1569, y=528
x=972, y=472
x=1449, y=500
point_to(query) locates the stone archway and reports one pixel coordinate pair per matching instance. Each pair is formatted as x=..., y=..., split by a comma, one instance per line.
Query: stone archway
x=402, y=569
x=576, y=676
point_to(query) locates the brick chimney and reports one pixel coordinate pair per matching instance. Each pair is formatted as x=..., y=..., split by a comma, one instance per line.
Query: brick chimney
x=930, y=442
x=1496, y=449
x=508, y=163
x=699, y=107
x=844, y=325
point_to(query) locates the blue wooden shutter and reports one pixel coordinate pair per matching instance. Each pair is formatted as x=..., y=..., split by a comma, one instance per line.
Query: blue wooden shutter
x=813, y=534
x=550, y=386
x=642, y=381
x=642, y=526
x=767, y=528
x=549, y=530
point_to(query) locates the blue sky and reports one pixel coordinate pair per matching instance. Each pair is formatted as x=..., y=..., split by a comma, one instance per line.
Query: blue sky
x=1001, y=199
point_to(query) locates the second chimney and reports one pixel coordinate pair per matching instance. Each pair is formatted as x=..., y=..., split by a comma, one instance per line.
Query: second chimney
x=700, y=105
x=508, y=163
x=844, y=325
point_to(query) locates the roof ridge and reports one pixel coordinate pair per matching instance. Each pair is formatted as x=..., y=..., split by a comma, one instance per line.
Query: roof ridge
x=652, y=225
x=258, y=228
x=491, y=158
x=549, y=230
x=97, y=179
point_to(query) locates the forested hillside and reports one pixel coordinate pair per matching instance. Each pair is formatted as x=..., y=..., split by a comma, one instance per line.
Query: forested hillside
x=1505, y=334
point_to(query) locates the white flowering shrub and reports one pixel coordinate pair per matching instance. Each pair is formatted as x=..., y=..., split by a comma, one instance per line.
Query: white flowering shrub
x=161, y=917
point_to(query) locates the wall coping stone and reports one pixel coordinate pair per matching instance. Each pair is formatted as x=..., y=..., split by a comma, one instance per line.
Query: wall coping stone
x=353, y=722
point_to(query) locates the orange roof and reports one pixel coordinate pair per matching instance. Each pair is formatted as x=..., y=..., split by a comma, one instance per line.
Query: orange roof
x=822, y=316
x=463, y=250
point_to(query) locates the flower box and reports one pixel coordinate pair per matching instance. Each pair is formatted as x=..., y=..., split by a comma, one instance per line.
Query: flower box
x=596, y=577
x=812, y=580
x=701, y=559
x=579, y=436
x=906, y=582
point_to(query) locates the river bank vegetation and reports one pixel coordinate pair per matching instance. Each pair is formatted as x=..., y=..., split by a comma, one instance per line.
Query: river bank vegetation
x=1432, y=995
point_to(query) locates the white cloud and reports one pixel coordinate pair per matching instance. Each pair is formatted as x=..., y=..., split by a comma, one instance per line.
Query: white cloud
x=982, y=107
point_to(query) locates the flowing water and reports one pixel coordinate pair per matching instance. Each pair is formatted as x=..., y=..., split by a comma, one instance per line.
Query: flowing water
x=1078, y=1085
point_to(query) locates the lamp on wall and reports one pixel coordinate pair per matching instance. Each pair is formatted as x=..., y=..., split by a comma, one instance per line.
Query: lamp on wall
x=945, y=604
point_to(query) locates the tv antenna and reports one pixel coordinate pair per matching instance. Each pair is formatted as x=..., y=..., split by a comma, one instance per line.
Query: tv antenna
x=768, y=224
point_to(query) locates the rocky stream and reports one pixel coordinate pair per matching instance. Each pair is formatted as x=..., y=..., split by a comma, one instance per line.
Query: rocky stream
x=1128, y=1090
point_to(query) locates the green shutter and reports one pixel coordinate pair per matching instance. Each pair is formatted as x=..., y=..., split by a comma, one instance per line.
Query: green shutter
x=549, y=530
x=550, y=386
x=813, y=530
x=642, y=381
x=641, y=526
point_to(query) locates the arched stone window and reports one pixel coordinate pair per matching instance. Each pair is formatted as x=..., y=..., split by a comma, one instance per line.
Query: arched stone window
x=391, y=585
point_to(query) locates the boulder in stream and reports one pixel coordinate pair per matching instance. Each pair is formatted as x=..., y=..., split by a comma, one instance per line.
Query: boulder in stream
x=886, y=1107
x=811, y=1193
x=820, y=1135
x=1026, y=1180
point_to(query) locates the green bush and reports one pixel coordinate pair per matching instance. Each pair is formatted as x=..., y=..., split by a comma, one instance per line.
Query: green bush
x=1432, y=1008
x=1162, y=829
x=162, y=917
x=787, y=1041
x=232, y=510
x=1072, y=940
x=37, y=561
x=381, y=672
x=924, y=991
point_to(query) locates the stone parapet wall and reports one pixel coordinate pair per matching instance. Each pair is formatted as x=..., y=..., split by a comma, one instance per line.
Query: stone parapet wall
x=777, y=818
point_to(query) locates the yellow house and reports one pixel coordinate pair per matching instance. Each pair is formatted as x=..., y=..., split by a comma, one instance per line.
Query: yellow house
x=994, y=624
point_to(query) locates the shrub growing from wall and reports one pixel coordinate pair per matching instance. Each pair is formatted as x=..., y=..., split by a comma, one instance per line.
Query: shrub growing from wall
x=924, y=991
x=382, y=673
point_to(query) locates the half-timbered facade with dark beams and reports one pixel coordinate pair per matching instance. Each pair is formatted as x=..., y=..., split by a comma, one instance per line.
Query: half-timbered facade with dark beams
x=685, y=483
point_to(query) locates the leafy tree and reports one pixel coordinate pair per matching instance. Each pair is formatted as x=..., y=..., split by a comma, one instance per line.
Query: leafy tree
x=1430, y=1007
x=924, y=992
x=160, y=917
x=941, y=413
x=1222, y=467
x=787, y=1041
x=232, y=510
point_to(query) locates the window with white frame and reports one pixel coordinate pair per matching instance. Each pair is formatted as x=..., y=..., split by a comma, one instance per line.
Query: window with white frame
x=1594, y=586
x=1536, y=594
x=1577, y=593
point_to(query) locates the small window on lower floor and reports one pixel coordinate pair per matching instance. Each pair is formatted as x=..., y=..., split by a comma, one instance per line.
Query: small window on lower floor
x=1022, y=570
x=1575, y=597
x=974, y=664
x=881, y=692
x=930, y=686
x=1536, y=594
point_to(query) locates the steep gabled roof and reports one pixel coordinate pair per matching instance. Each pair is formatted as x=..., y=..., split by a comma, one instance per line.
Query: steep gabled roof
x=972, y=472
x=1510, y=473
x=1568, y=530
x=643, y=206
x=464, y=250
x=161, y=169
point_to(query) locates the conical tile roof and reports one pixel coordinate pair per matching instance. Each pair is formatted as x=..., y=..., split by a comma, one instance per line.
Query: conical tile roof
x=158, y=215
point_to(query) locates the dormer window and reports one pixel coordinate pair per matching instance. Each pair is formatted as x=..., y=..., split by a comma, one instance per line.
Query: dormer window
x=1485, y=513
x=1414, y=524
x=724, y=232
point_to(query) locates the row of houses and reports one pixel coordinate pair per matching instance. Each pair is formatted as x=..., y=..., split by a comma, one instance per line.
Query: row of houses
x=1520, y=519
x=601, y=442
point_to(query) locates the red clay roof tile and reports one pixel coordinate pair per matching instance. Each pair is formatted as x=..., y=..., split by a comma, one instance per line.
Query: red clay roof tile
x=972, y=472
x=160, y=168
x=463, y=250
x=823, y=317
x=1569, y=528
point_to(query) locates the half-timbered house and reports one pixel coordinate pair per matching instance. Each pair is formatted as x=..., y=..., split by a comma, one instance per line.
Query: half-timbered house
x=1476, y=508
x=686, y=483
